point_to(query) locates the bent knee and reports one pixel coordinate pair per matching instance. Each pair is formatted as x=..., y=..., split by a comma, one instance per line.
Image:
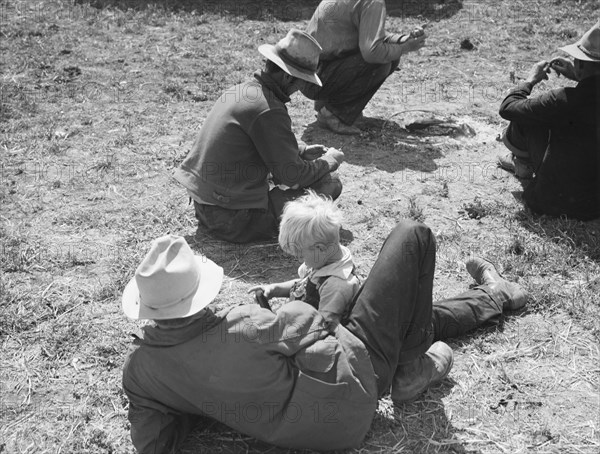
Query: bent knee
x=329, y=186
x=417, y=230
x=335, y=187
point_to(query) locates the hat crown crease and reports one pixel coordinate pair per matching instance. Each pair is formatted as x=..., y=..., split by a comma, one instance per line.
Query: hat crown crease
x=168, y=277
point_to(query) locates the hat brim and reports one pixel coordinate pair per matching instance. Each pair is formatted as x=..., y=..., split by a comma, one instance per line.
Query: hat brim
x=577, y=53
x=210, y=284
x=269, y=51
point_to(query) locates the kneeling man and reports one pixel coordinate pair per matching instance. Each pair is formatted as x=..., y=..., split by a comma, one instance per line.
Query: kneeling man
x=246, y=162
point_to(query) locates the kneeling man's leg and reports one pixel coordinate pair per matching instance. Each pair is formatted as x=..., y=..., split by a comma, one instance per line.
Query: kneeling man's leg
x=329, y=185
x=527, y=145
x=237, y=226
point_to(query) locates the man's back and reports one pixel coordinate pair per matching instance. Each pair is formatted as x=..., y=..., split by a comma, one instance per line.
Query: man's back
x=266, y=375
x=225, y=166
x=569, y=178
x=247, y=135
x=345, y=27
x=567, y=182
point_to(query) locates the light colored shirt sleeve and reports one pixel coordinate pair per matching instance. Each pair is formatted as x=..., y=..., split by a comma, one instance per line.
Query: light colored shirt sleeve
x=335, y=296
x=375, y=45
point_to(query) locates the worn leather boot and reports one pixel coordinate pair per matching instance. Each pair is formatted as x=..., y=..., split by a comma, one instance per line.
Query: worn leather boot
x=512, y=295
x=522, y=168
x=328, y=120
x=412, y=378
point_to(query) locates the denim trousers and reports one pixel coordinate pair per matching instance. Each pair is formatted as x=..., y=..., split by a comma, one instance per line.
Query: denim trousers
x=394, y=315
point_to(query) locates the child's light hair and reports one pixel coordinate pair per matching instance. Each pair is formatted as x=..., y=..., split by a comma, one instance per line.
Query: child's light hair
x=309, y=220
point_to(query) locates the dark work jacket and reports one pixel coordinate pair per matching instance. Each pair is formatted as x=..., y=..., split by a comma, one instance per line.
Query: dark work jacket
x=247, y=136
x=281, y=378
x=568, y=180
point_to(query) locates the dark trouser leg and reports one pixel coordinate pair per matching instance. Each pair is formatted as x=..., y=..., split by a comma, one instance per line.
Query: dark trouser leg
x=237, y=226
x=329, y=185
x=349, y=83
x=472, y=309
x=392, y=313
x=527, y=142
x=244, y=226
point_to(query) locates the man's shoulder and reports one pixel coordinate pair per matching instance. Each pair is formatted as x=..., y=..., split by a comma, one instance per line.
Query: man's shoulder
x=568, y=97
x=251, y=98
x=371, y=5
x=251, y=91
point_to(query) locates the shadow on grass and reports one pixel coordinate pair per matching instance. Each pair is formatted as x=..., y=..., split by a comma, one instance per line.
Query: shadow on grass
x=262, y=10
x=284, y=10
x=259, y=261
x=421, y=426
x=583, y=237
x=431, y=10
x=383, y=144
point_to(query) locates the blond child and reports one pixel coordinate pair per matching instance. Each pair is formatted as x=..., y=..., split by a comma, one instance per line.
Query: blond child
x=310, y=231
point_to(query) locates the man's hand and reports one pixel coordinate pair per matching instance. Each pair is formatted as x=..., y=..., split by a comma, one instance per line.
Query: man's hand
x=563, y=66
x=312, y=152
x=336, y=155
x=414, y=41
x=538, y=72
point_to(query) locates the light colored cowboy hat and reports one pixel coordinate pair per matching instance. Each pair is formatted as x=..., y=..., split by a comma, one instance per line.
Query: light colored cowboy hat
x=171, y=282
x=297, y=54
x=588, y=47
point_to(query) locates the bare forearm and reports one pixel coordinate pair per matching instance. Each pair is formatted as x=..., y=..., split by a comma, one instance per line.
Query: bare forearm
x=282, y=289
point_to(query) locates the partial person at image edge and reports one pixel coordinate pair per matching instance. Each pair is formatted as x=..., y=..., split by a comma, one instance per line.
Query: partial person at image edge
x=554, y=138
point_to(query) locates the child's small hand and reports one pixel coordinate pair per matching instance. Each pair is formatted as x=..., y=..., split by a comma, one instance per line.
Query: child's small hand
x=262, y=295
x=265, y=289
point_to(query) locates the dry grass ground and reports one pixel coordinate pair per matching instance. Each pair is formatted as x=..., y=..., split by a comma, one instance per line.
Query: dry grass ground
x=101, y=100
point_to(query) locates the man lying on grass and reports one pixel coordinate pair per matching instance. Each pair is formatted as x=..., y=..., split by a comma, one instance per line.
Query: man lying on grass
x=292, y=379
x=246, y=151
x=554, y=138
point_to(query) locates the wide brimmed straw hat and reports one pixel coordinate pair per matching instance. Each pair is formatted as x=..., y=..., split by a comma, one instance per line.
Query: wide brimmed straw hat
x=297, y=54
x=588, y=47
x=171, y=282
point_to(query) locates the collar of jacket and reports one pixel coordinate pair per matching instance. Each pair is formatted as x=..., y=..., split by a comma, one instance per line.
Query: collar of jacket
x=157, y=337
x=268, y=82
